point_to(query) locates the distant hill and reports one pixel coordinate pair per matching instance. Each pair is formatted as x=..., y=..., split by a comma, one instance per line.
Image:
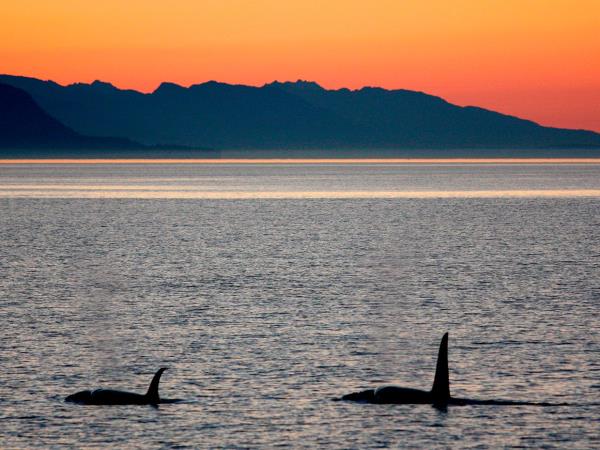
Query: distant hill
x=301, y=116
x=26, y=130
x=25, y=126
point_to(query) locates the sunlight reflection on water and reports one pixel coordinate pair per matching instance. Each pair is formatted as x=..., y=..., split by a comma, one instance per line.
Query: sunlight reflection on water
x=193, y=192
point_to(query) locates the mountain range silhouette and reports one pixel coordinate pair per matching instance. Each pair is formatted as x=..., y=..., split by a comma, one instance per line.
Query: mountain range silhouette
x=297, y=116
x=26, y=128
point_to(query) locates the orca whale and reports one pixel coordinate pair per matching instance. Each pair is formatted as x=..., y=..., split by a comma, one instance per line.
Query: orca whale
x=113, y=397
x=438, y=396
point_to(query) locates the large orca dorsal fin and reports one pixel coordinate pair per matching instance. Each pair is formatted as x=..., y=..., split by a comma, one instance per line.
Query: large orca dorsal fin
x=152, y=393
x=441, y=382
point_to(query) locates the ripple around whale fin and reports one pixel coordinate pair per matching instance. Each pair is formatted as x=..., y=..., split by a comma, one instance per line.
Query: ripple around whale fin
x=441, y=382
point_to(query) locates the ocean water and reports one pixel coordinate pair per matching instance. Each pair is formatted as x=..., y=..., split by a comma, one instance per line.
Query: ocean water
x=269, y=289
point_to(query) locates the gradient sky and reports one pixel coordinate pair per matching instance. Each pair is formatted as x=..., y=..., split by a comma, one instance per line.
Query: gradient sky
x=532, y=58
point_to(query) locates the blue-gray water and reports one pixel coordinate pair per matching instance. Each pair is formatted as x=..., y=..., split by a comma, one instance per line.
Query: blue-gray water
x=267, y=306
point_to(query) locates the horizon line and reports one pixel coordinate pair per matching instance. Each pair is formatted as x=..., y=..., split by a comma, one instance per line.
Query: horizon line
x=283, y=161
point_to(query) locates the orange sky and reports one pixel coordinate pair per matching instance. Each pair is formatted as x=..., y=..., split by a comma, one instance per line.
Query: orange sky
x=538, y=59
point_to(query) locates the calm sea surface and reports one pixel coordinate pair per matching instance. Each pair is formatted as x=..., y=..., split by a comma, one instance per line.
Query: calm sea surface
x=269, y=289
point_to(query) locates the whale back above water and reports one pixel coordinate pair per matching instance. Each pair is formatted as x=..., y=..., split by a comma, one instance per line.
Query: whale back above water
x=439, y=394
x=114, y=397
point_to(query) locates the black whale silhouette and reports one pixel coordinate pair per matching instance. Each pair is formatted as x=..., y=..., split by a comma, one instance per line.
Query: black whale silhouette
x=113, y=397
x=439, y=395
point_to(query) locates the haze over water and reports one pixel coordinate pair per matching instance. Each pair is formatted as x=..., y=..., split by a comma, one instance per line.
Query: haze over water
x=269, y=289
x=297, y=179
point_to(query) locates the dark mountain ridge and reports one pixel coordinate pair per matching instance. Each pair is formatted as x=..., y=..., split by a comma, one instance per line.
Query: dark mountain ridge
x=300, y=115
x=26, y=130
x=26, y=126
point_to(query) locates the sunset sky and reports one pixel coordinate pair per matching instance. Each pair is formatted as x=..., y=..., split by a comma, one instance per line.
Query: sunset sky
x=532, y=58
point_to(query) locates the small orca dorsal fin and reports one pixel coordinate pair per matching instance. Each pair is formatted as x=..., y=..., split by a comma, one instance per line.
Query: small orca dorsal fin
x=441, y=381
x=152, y=393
